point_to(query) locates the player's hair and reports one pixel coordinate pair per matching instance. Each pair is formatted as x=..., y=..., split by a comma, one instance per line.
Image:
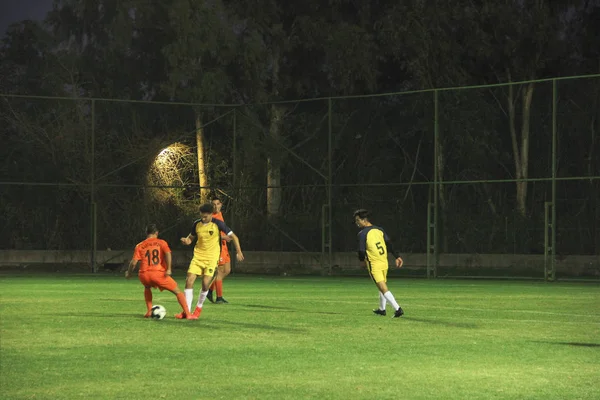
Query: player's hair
x=215, y=197
x=206, y=208
x=361, y=213
x=151, y=229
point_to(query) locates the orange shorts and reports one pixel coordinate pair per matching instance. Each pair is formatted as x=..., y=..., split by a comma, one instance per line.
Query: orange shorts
x=158, y=280
x=224, y=258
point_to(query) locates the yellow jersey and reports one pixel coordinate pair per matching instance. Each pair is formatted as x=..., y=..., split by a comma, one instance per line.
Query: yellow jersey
x=208, y=239
x=373, y=245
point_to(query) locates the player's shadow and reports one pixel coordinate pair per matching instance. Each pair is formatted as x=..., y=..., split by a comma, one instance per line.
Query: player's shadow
x=287, y=309
x=91, y=314
x=216, y=323
x=115, y=299
x=573, y=344
x=442, y=322
x=260, y=306
x=170, y=320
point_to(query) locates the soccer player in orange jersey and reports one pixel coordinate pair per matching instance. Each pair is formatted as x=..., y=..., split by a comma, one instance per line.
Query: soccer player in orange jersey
x=154, y=256
x=224, y=267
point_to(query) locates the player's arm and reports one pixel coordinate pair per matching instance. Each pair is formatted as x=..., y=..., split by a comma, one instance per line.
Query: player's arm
x=132, y=266
x=191, y=236
x=188, y=239
x=388, y=243
x=168, y=261
x=362, y=248
x=166, y=256
x=137, y=257
x=238, y=249
x=236, y=241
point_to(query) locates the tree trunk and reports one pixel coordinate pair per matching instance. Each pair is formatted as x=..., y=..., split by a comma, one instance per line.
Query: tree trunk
x=273, y=161
x=274, y=165
x=520, y=147
x=202, y=176
x=525, y=129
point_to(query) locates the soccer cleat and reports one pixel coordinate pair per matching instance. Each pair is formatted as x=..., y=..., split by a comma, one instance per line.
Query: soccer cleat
x=379, y=312
x=181, y=315
x=197, y=312
x=399, y=312
x=148, y=314
x=209, y=296
x=221, y=300
x=191, y=316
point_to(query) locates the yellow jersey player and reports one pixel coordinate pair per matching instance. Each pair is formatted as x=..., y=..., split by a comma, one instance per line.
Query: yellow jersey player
x=207, y=251
x=224, y=267
x=373, y=247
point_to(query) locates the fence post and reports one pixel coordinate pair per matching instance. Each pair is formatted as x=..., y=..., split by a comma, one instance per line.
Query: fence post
x=93, y=209
x=551, y=273
x=235, y=192
x=436, y=183
x=329, y=187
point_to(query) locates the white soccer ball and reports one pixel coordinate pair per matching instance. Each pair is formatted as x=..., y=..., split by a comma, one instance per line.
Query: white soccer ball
x=158, y=312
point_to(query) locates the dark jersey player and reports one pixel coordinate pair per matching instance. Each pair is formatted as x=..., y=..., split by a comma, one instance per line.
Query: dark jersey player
x=373, y=247
x=207, y=232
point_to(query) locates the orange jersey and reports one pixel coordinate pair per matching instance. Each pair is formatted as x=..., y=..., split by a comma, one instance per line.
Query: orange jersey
x=224, y=258
x=219, y=216
x=151, y=252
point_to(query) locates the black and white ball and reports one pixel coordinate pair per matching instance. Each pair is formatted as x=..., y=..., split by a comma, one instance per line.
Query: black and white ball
x=158, y=312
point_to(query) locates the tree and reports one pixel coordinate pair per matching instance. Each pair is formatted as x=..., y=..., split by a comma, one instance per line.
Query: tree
x=295, y=50
x=529, y=35
x=197, y=61
x=467, y=43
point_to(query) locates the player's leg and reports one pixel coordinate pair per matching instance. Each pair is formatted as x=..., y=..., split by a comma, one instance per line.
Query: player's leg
x=211, y=289
x=168, y=283
x=380, y=278
x=189, y=287
x=382, y=302
x=223, y=271
x=148, y=298
x=207, y=279
x=188, y=294
x=377, y=276
x=145, y=280
x=195, y=269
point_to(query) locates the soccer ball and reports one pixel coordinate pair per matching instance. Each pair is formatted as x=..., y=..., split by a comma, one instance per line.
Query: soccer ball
x=158, y=312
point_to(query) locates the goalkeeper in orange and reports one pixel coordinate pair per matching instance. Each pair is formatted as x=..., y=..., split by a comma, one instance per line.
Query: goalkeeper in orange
x=373, y=246
x=154, y=256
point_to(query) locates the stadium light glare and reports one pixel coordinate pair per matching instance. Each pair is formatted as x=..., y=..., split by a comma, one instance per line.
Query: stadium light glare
x=170, y=163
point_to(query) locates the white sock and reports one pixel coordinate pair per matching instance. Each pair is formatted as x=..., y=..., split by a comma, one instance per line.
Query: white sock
x=390, y=298
x=201, y=298
x=189, y=296
x=382, y=301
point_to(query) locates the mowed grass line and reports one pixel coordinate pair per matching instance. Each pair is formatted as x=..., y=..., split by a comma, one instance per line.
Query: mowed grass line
x=69, y=336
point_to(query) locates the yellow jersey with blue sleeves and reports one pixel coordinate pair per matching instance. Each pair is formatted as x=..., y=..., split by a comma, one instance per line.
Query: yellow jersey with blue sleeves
x=208, y=239
x=373, y=245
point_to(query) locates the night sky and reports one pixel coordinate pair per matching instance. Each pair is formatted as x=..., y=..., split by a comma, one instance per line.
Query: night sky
x=16, y=10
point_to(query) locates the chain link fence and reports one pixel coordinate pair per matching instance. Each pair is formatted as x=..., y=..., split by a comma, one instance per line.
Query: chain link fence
x=501, y=169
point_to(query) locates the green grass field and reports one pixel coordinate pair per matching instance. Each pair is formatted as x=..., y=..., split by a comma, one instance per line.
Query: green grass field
x=76, y=336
